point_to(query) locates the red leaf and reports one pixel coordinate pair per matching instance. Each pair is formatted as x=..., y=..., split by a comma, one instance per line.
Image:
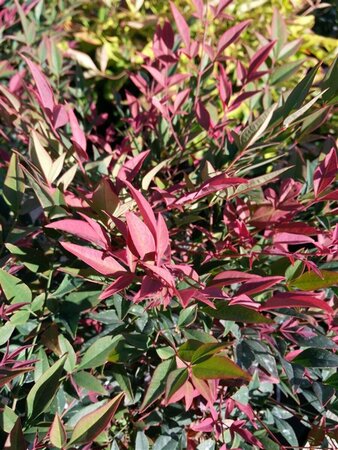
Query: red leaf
x=326, y=172
x=96, y=259
x=181, y=24
x=231, y=35
x=203, y=115
x=295, y=299
x=229, y=277
x=79, y=138
x=260, y=56
x=144, y=207
x=140, y=236
x=255, y=286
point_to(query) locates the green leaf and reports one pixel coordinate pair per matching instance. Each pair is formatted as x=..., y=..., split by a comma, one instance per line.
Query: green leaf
x=254, y=131
x=285, y=71
x=89, y=382
x=92, y=424
x=255, y=183
x=294, y=116
x=315, y=357
x=42, y=393
x=219, y=367
x=296, y=97
x=236, y=313
x=14, y=184
x=187, y=349
x=310, y=281
x=205, y=351
x=187, y=316
x=98, y=353
x=57, y=433
x=141, y=442
x=123, y=380
x=15, y=439
x=332, y=380
x=157, y=383
x=66, y=347
x=294, y=270
x=175, y=380
x=14, y=289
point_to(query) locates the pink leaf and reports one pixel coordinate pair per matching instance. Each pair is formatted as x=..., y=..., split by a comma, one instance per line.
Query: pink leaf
x=120, y=283
x=181, y=24
x=231, y=35
x=96, y=259
x=87, y=231
x=199, y=8
x=139, y=236
x=43, y=86
x=130, y=168
x=144, y=207
x=295, y=299
x=156, y=74
x=162, y=238
x=79, y=138
x=326, y=172
x=161, y=273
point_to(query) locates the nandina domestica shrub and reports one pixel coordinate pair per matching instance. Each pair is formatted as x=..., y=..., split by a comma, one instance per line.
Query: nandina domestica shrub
x=169, y=280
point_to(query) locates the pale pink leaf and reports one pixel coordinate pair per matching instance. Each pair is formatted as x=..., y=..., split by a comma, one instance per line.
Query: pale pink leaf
x=162, y=238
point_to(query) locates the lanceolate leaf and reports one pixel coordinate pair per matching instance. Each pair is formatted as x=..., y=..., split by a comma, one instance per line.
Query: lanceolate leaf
x=219, y=367
x=181, y=24
x=43, y=392
x=16, y=440
x=157, y=383
x=91, y=425
x=57, y=433
x=295, y=299
x=45, y=91
x=315, y=357
x=96, y=259
x=326, y=172
x=174, y=381
x=14, y=184
x=231, y=35
x=14, y=289
x=254, y=131
x=236, y=313
x=311, y=281
x=140, y=236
